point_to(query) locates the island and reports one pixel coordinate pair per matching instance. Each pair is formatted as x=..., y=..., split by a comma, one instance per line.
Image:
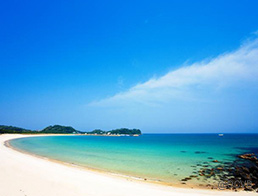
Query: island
x=59, y=129
x=116, y=132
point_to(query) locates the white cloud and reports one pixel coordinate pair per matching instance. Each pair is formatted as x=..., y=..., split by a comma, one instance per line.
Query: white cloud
x=226, y=70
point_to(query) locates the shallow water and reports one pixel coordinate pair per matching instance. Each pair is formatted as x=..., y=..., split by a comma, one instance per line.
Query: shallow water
x=163, y=157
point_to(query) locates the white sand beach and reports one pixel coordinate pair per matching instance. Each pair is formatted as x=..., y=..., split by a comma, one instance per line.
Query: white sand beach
x=23, y=174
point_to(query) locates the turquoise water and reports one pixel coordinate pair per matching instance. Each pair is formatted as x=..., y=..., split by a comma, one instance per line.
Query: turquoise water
x=163, y=157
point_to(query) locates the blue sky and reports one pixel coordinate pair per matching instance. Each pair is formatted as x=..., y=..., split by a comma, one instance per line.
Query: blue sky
x=161, y=66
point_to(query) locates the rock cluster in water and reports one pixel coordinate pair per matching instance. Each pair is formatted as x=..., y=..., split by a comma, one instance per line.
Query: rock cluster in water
x=241, y=174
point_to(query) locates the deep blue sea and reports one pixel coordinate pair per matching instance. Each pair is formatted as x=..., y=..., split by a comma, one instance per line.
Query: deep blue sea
x=160, y=157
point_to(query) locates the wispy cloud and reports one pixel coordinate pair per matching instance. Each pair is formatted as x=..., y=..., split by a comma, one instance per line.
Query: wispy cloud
x=227, y=70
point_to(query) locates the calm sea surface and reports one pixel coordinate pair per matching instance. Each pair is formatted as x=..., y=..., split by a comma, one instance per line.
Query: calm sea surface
x=163, y=157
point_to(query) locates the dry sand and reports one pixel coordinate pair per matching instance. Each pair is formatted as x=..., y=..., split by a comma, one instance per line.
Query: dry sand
x=23, y=174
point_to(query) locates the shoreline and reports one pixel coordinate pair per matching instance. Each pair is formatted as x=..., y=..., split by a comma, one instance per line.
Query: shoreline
x=102, y=172
x=116, y=180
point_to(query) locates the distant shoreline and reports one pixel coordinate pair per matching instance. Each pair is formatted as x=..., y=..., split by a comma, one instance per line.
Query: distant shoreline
x=60, y=129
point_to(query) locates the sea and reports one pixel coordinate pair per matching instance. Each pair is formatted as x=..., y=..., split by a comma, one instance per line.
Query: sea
x=163, y=158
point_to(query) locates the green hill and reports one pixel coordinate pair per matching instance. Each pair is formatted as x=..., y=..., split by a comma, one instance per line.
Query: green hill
x=59, y=129
x=56, y=129
x=126, y=131
x=12, y=129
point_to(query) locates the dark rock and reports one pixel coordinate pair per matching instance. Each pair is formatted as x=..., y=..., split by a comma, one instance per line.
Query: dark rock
x=248, y=189
x=199, y=152
x=250, y=157
x=245, y=169
x=193, y=176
